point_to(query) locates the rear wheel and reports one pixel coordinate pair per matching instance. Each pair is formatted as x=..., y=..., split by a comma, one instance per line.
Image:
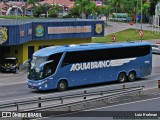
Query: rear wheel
x=132, y=76
x=122, y=77
x=62, y=85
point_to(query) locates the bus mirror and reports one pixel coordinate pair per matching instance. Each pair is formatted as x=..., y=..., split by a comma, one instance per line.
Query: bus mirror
x=27, y=61
x=43, y=64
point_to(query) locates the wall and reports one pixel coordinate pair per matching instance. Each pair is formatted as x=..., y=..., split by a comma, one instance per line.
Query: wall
x=16, y=51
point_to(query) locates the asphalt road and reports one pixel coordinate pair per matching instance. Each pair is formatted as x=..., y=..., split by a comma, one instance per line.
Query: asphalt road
x=114, y=27
x=151, y=105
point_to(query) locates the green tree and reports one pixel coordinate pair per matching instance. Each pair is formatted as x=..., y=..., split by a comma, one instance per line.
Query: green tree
x=41, y=10
x=33, y=3
x=54, y=11
x=146, y=9
x=130, y=7
x=45, y=9
x=117, y=6
x=38, y=10
x=74, y=12
x=83, y=6
x=100, y=10
x=152, y=6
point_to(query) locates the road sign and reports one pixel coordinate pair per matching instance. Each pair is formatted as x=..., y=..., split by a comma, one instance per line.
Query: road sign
x=139, y=16
x=134, y=16
x=131, y=22
x=113, y=38
x=140, y=33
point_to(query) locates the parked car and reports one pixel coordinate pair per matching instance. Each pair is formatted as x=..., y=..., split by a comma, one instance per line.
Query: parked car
x=10, y=64
x=156, y=48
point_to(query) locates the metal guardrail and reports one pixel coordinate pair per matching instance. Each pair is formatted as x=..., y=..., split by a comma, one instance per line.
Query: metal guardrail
x=103, y=94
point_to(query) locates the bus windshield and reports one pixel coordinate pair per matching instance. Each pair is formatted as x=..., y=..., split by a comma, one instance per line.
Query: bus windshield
x=34, y=68
x=36, y=62
x=49, y=68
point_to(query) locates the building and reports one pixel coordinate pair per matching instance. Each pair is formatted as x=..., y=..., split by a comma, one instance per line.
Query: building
x=22, y=38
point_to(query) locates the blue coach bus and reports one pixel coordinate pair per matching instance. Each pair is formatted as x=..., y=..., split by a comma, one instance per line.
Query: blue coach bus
x=61, y=67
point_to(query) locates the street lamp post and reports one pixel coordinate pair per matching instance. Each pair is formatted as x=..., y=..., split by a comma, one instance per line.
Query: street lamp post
x=141, y=16
x=136, y=15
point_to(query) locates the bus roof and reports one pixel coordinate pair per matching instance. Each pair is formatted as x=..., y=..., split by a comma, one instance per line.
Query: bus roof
x=88, y=46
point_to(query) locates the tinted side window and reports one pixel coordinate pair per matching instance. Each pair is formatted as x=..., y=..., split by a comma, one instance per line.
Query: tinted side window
x=55, y=57
x=105, y=54
x=50, y=68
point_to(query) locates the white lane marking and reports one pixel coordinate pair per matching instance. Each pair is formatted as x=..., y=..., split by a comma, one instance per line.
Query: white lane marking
x=5, y=84
x=124, y=104
x=21, y=91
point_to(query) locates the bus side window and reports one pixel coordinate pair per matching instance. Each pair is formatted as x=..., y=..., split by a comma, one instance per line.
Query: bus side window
x=104, y=54
x=48, y=69
x=51, y=67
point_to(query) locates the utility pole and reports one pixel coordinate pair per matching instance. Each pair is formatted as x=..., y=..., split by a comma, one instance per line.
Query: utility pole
x=141, y=18
x=136, y=15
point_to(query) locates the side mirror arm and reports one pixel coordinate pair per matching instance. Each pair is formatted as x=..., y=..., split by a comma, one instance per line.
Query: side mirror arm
x=27, y=61
x=43, y=64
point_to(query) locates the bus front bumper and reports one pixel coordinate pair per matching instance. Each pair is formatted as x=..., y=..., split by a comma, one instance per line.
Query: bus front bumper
x=39, y=85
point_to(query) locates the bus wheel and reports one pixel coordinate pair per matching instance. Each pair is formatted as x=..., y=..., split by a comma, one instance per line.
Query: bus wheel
x=122, y=77
x=131, y=76
x=62, y=85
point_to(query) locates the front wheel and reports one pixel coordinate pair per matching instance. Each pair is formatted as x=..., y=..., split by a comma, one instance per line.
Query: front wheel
x=62, y=85
x=122, y=77
x=131, y=76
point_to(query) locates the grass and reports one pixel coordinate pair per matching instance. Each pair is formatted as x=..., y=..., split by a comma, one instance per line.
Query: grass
x=128, y=35
x=17, y=17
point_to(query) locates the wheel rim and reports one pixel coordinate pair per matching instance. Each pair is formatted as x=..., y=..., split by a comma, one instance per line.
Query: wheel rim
x=122, y=78
x=62, y=86
x=131, y=76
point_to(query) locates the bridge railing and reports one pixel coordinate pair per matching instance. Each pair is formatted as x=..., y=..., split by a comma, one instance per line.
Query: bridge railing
x=68, y=100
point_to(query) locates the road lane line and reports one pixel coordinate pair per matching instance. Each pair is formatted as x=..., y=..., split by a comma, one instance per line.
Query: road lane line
x=5, y=84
